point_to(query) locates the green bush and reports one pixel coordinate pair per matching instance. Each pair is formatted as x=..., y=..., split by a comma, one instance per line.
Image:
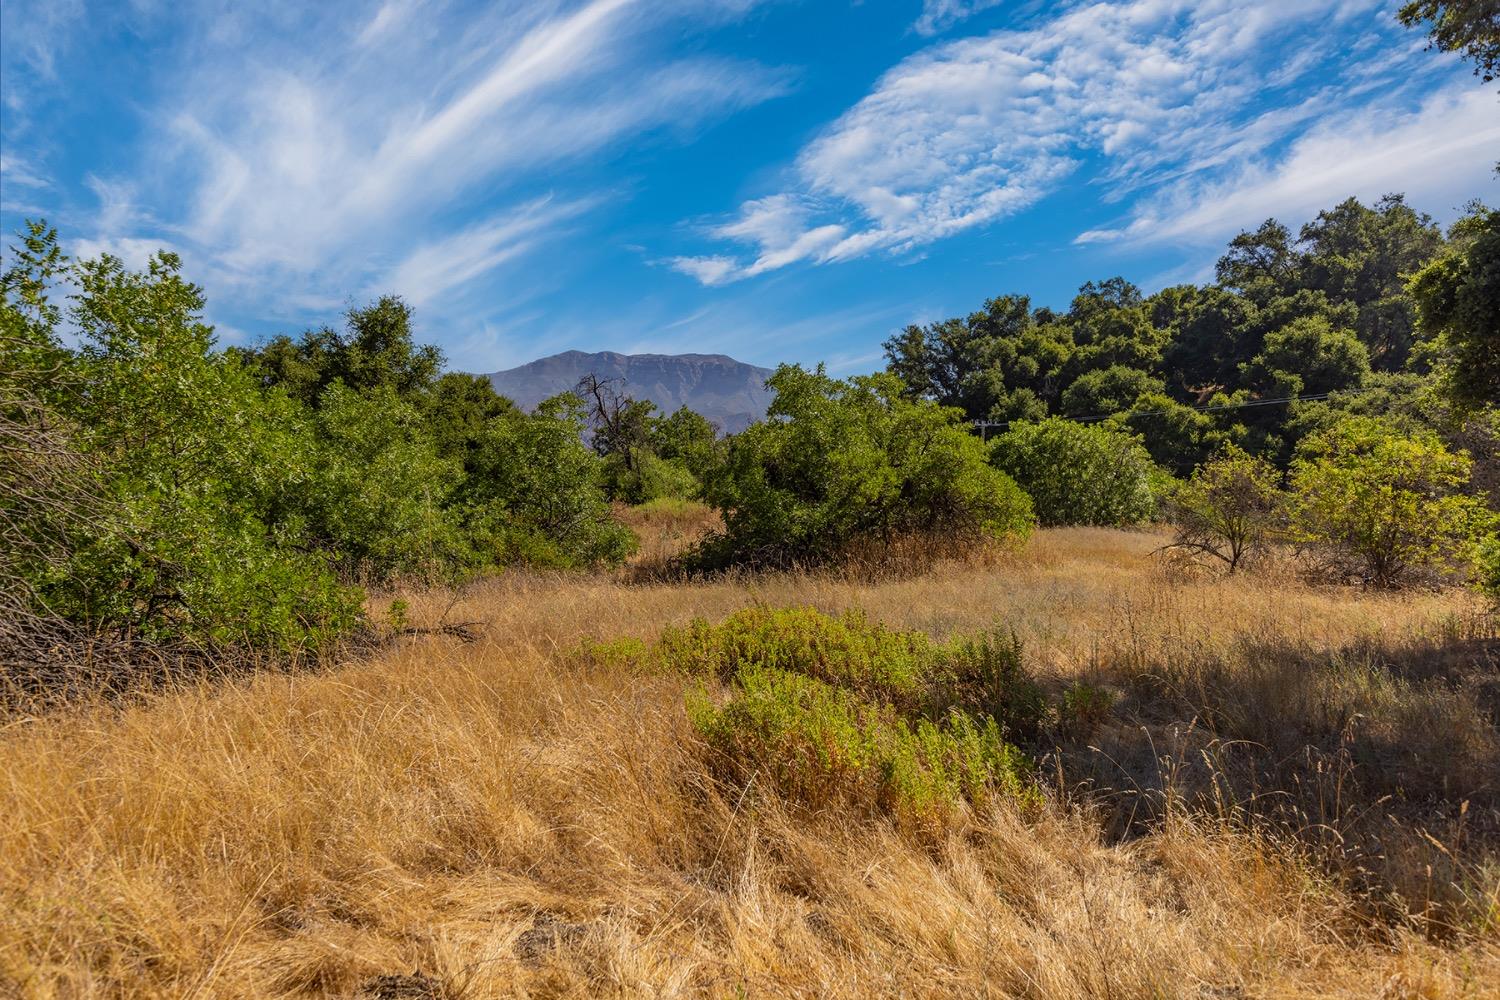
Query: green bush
x=1084, y=708
x=1229, y=510
x=1379, y=506
x=1487, y=565
x=1078, y=473
x=979, y=674
x=832, y=707
x=231, y=496
x=534, y=493
x=840, y=463
x=819, y=745
x=384, y=494
x=649, y=477
x=204, y=472
x=846, y=650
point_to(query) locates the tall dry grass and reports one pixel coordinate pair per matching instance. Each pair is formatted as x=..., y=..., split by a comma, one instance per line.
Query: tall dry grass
x=495, y=819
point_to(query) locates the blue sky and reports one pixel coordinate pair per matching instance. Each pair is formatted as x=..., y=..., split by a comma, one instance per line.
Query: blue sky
x=779, y=181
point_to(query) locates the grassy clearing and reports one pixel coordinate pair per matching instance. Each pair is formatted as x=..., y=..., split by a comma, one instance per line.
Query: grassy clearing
x=1250, y=788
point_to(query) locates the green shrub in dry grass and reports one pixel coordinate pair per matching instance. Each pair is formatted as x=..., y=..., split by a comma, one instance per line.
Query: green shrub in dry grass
x=837, y=707
x=847, y=651
x=821, y=745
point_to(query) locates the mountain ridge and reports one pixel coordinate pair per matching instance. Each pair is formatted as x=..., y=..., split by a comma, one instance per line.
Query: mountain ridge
x=731, y=393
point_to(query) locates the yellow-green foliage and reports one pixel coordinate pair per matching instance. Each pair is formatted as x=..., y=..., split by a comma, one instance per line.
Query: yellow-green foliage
x=847, y=651
x=837, y=707
x=821, y=745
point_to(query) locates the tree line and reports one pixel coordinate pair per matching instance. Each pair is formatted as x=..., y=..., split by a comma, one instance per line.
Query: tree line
x=160, y=487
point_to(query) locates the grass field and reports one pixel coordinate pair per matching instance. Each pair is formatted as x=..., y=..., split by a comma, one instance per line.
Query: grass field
x=1296, y=792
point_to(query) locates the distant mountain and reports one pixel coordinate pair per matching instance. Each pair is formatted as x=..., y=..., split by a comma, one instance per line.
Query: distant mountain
x=730, y=393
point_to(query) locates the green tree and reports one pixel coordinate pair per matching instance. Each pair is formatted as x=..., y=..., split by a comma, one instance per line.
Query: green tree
x=1178, y=437
x=1379, y=506
x=1308, y=357
x=689, y=439
x=840, y=462
x=204, y=471
x=1111, y=324
x=1078, y=473
x=1471, y=27
x=376, y=350
x=1360, y=256
x=536, y=494
x=1108, y=390
x=383, y=492
x=1229, y=510
x=1003, y=362
x=1262, y=265
x=1458, y=303
x=1213, y=333
x=457, y=408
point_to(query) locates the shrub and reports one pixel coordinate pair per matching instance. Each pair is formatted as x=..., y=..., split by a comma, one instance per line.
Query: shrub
x=979, y=674
x=847, y=650
x=534, y=493
x=819, y=745
x=202, y=472
x=1228, y=510
x=689, y=440
x=649, y=477
x=838, y=707
x=383, y=491
x=983, y=675
x=841, y=462
x=1084, y=708
x=1487, y=564
x=1378, y=506
x=1078, y=473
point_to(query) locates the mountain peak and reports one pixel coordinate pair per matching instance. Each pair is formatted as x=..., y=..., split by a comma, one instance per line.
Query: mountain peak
x=730, y=393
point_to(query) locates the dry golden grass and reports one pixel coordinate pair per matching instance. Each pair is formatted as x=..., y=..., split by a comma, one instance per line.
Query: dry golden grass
x=665, y=528
x=511, y=823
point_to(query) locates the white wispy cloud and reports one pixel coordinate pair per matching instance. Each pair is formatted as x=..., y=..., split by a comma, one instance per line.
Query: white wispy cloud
x=14, y=170
x=1163, y=98
x=940, y=15
x=1438, y=155
x=363, y=160
x=437, y=266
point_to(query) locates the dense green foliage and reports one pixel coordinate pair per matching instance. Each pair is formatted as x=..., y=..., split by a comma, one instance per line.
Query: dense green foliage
x=1458, y=300
x=1078, y=473
x=1380, y=506
x=839, y=708
x=1487, y=560
x=648, y=457
x=1471, y=27
x=1193, y=368
x=200, y=531
x=842, y=462
x=233, y=497
x=158, y=487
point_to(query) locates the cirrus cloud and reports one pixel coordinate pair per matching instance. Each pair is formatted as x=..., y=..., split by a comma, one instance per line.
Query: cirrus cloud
x=1163, y=101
